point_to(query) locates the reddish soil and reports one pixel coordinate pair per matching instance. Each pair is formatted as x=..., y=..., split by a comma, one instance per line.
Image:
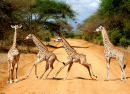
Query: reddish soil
x=78, y=82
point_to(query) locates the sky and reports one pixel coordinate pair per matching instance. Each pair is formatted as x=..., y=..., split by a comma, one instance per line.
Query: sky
x=84, y=8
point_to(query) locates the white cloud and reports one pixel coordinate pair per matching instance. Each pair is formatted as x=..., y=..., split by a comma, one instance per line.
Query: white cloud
x=84, y=8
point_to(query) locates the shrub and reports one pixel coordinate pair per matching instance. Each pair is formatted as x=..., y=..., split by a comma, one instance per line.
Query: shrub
x=70, y=35
x=124, y=42
x=115, y=36
x=47, y=39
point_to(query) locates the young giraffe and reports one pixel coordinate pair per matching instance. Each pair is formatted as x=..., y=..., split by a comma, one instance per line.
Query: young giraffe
x=43, y=55
x=112, y=52
x=13, y=56
x=72, y=57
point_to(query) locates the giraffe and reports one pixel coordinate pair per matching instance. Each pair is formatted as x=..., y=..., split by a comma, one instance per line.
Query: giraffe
x=112, y=52
x=43, y=55
x=72, y=57
x=13, y=56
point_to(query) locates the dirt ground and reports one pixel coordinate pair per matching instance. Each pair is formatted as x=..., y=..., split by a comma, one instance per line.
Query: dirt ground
x=78, y=82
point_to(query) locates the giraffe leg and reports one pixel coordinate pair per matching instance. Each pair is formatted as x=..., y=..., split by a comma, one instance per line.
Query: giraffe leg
x=9, y=72
x=16, y=76
x=8, y=76
x=108, y=65
x=11, y=80
x=47, y=67
x=51, y=67
x=83, y=62
x=36, y=70
x=122, y=71
x=68, y=70
x=124, y=75
x=89, y=70
x=61, y=69
x=16, y=68
x=30, y=70
x=39, y=60
x=35, y=64
x=90, y=67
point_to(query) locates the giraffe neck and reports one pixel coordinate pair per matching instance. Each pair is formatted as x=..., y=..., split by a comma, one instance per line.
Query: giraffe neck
x=106, y=39
x=68, y=48
x=15, y=38
x=39, y=43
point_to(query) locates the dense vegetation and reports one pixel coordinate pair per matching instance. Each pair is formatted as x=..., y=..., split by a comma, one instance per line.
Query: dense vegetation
x=40, y=17
x=115, y=16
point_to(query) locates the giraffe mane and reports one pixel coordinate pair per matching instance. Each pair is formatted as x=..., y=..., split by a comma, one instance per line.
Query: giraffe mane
x=69, y=44
x=40, y=41
x=108, y=35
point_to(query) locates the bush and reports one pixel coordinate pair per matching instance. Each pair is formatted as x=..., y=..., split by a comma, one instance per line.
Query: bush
x=115, y=36
x=124, y=42
x=70, y=35
x=47, y=39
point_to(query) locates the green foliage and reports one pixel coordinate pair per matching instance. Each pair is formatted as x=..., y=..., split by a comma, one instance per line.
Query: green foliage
x=111, y=7
x=98, y=40
x=115, y=36
x=124, y=42
x=47, y=39
x=70, y=35
x=52, y=14
x=115, y=16
x=36, y=16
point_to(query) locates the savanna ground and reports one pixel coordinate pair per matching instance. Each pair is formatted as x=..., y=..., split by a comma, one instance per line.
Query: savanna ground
x=78, y=82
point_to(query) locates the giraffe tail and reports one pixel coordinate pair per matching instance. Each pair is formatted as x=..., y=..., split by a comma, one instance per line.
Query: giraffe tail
x=124, y=64
x=60, y=61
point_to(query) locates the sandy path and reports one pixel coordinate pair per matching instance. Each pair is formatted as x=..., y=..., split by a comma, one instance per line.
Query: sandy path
x=78, y=82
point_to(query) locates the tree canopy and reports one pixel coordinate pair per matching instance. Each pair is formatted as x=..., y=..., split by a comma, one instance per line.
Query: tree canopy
x=42, y=13
x=39, y=17
x=115, y=16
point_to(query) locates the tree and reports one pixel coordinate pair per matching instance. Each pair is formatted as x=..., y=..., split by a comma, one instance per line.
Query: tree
x=115, y=16
x=52, y=14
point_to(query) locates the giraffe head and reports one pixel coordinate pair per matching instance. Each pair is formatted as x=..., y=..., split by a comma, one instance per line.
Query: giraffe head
x=16, y=26
x=58, y=39
x=99, y=29
x=30, y=36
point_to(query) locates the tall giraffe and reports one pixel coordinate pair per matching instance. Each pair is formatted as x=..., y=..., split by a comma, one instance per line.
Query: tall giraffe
x=112, y=52
x=72, y=57
x=13, y=56
x=43, y=55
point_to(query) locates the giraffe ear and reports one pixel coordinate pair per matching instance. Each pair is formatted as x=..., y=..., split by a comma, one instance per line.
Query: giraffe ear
x=20, y=26
x=101, y=27
x=12, y=26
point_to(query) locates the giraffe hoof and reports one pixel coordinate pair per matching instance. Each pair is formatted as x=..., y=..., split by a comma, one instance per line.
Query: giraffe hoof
x=95, y=76
x=27, y=75
x=16, y=80
x=54, y=76
x=106, y=80
x=44, y=78
x=40, y=77
x=11, y=82
x=64, y=78
x=36, y=76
